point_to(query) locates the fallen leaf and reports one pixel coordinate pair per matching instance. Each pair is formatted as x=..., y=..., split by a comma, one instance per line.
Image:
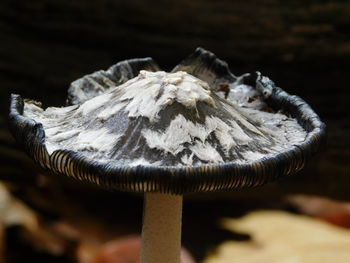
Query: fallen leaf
x=332, y=211
x=281, y=237
x=127, y=250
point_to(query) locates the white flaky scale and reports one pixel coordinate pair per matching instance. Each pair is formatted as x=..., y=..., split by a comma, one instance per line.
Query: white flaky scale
x=149, y=93
x=144, y=162
x=181, y=132
x=211, y=139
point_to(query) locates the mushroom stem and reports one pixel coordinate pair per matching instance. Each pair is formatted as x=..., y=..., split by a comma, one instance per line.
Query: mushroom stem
x=161, y=229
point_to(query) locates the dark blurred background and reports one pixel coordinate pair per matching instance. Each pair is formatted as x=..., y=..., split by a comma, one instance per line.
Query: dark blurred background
x=303, y=46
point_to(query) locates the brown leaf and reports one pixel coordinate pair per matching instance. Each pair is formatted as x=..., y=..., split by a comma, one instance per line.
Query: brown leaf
x=281, y=237
x=127, y=250
x=333, y=211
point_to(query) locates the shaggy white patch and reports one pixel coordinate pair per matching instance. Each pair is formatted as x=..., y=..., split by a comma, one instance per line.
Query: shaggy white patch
x=144, y=162
x=148, y=94
x=172, y=140
x=95, y=103
x=100, y=140
x=252, y=156
x=109, y=112
x=285, y=130
x=60, y=132
x=153, y=91
x=187, y=159
x=242, y=119
x=206, y=152
x=182, y=131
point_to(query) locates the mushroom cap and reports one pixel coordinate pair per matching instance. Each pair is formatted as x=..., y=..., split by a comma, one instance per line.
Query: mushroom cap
x=196, y=129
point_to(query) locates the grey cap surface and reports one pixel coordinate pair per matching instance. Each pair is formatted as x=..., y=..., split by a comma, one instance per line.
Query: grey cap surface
x=198, y=128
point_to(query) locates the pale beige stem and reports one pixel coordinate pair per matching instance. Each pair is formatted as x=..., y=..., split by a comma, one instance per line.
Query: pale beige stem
x=161, y=229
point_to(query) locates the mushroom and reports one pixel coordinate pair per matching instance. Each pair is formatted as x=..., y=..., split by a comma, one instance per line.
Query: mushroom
x=198, y=128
